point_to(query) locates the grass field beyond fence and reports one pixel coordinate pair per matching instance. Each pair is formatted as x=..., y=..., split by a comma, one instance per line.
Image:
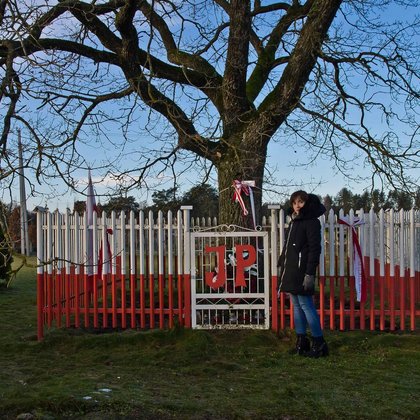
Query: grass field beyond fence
x=187, y=374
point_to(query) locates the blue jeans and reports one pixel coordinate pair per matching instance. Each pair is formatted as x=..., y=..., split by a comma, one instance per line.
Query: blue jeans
x=305, y=314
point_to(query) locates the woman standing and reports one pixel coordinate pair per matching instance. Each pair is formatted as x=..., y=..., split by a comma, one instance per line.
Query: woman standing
x=298, y=263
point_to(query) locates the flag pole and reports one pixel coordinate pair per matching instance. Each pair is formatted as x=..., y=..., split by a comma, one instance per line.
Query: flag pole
x=24, y=238
x=90, y=208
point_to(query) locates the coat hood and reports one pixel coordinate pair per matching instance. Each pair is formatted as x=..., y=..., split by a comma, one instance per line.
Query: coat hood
x=313, y=208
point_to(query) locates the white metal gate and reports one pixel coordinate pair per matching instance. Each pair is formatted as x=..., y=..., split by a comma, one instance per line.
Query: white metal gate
x=230, y=279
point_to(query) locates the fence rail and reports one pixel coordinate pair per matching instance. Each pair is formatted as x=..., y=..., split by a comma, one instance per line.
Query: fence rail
x=134, y=270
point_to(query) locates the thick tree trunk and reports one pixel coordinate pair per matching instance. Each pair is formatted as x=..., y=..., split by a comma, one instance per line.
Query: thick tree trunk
x=245, y=163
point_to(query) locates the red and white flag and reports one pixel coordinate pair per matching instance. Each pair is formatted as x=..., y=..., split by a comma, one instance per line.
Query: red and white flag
x=104, y=255
x=358, y=268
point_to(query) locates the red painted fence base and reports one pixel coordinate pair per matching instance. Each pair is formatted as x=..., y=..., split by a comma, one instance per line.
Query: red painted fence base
x=69, y=300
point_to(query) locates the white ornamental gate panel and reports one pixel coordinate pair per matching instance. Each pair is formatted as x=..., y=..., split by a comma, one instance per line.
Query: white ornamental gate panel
x=230, y=280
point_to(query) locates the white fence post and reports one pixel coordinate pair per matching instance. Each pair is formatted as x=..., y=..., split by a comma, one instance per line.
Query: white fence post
x=187, y=263
x=391, y=231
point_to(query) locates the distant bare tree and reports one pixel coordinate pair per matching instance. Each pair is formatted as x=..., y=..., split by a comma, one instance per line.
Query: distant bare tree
x=332, y=77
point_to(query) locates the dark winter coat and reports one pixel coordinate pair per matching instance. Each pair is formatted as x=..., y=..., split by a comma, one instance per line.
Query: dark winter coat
x=302, y=248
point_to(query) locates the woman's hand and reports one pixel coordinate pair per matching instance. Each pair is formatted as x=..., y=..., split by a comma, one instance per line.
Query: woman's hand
x=308, y=282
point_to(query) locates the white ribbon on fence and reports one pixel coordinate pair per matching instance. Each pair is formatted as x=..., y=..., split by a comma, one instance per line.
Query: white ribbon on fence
x=358, y=267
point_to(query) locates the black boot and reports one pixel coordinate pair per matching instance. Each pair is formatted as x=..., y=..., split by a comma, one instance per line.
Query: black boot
x=303, y=344
x=319, y=348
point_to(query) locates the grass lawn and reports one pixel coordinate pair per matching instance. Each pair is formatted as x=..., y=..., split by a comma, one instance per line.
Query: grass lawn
x=185, y=374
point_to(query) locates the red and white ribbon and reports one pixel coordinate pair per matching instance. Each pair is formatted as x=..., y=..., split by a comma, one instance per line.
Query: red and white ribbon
x=358, y=268
x=246, y=188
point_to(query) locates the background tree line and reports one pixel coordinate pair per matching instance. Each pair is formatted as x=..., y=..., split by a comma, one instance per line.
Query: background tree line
x=205, y=201
x=375, y=199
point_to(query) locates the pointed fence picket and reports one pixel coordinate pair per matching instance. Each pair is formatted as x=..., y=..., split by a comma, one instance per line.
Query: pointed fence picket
x=142, y=279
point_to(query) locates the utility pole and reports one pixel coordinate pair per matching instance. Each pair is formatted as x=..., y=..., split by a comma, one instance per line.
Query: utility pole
x=24, y=237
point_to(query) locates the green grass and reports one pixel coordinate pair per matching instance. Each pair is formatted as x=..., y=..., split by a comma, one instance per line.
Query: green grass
x=185, y=374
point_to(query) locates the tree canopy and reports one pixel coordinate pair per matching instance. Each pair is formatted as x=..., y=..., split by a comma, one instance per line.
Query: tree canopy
x=331, y=78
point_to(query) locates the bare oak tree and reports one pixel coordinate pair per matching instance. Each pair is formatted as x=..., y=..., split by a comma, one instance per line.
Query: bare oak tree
x=227, y=76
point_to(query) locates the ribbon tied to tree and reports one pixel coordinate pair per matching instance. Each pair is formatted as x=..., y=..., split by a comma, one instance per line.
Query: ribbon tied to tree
x=246, y=188
x=358, y=267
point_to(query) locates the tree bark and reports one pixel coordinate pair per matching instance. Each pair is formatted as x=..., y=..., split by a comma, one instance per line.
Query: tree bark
x=243, y=164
